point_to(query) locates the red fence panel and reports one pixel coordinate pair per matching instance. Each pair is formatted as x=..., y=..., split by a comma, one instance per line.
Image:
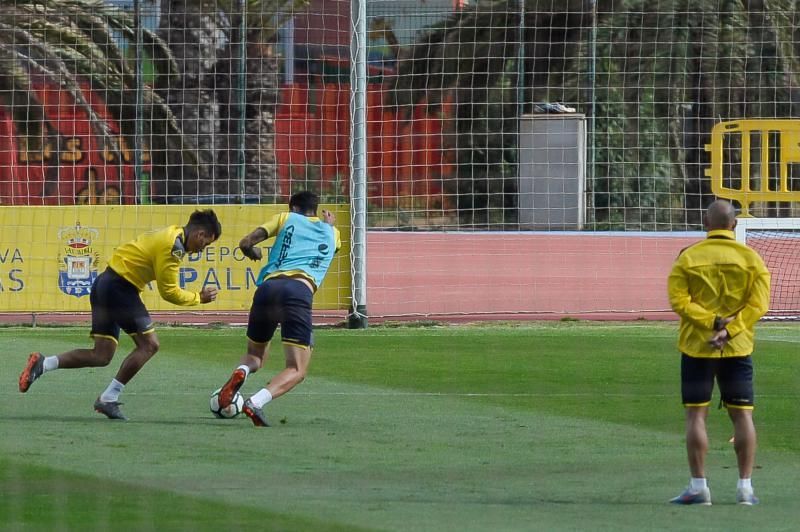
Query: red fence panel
x=72, y=166
x=404, y=158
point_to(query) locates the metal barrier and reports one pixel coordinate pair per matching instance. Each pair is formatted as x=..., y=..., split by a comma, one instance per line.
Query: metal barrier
x=757, y=136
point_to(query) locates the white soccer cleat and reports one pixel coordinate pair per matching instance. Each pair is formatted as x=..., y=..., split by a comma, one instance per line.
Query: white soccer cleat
x=746, y=497
x=702, y=497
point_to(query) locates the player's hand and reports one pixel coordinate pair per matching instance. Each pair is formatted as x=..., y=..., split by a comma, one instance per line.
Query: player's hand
x=721, y=323
x=208, y=294
x=328, y=217
x=252, y=253
x=720, y=339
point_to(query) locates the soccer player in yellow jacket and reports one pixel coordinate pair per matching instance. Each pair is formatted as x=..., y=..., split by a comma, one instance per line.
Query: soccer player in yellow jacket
x=720, y=288
x=117, y=304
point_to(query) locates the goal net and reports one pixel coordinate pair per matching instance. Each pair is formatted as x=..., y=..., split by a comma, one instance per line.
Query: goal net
x=519, y=157
x=777, y=240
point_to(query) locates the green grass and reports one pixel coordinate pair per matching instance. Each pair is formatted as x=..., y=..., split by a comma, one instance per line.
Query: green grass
x=557, y=426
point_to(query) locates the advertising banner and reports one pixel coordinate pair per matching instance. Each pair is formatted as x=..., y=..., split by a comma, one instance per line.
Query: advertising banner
x=49, y=256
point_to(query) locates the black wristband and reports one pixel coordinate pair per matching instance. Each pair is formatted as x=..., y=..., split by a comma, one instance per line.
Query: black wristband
x=717, y=323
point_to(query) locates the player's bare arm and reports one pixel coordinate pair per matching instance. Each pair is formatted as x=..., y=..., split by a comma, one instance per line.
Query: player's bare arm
x=247, y=244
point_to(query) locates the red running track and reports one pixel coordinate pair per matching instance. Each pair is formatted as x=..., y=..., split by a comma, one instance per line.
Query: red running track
x=474, y=276
x=522, y=275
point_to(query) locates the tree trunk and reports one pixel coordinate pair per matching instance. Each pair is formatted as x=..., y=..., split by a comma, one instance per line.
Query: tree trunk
x=261, y=98
x=197, y=34
x=261, y=175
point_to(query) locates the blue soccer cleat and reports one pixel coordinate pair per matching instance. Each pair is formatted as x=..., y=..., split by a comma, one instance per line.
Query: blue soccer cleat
x=702, y=497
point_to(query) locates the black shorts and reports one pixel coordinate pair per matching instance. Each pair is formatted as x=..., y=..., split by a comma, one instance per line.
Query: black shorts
x=281, y=301
x=734, y=377
x=116, y=303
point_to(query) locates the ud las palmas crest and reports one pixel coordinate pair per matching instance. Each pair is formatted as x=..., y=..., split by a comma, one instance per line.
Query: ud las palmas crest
x=77, y=261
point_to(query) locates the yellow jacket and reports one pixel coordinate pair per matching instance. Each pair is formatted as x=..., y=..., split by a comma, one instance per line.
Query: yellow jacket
x=718, y=277
x=155, y=256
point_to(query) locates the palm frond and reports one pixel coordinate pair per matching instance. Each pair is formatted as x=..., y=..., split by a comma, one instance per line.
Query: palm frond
x=18, y=96
x=91, y=62
x=69, y=41
x=124, y=22
x=59, y=74
x=115, y=19
x=93, y=28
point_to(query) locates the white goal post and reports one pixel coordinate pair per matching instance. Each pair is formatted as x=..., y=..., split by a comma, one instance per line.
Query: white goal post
x=745, y=224
x=777, y=240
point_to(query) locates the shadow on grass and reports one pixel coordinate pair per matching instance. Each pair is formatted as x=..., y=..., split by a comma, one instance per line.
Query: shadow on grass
x=40, y=498
x=53, y=418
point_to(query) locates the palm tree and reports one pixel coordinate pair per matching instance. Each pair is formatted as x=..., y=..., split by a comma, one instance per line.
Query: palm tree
x=71, y=45
x=263, y=18
x=189, y=112
x=196, y=33
x=206, y=38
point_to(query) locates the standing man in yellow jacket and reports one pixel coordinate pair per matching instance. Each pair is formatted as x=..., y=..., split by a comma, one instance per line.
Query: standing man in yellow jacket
x=117, y=304
x=720, y=288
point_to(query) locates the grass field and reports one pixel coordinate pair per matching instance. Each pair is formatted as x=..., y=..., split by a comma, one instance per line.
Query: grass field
x=557, y=426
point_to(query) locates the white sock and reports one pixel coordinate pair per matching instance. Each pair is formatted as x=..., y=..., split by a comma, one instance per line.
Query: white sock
x=744, y=484
x=698, y=484
x=50, y=363
x=246, y=370
x=261, y=398
x=112, y=392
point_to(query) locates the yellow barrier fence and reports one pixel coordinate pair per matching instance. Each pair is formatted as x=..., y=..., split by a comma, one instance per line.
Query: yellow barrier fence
x=734, y=175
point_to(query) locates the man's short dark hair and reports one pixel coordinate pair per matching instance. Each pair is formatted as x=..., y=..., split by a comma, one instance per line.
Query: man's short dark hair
x=306, y=201
x=206, y=220
x=721, y=214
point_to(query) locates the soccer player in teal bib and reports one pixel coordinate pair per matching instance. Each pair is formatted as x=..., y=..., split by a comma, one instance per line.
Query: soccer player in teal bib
x=298, y=261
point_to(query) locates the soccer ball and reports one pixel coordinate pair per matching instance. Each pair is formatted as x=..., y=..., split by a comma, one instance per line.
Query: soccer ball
x=231, y=411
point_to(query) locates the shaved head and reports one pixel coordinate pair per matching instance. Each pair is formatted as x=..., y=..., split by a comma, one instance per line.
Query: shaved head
x=720, y=215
